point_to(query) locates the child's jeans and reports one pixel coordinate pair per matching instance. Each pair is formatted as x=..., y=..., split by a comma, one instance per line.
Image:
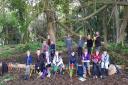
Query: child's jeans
x=44, y=74
x=80, y=70
x=104, y=72
x=27, y=72
x=86, y=66
x=96, y=69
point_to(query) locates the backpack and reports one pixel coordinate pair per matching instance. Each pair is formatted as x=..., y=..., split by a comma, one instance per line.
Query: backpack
x=4, y=68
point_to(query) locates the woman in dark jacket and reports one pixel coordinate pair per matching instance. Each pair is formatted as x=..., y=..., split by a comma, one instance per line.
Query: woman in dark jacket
x=89, y=44
x=98, y=41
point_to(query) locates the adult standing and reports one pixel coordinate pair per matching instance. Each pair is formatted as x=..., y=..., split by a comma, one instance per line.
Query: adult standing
x=98, y=41
x=68, y=42
x=80, y=47
x=89, y=44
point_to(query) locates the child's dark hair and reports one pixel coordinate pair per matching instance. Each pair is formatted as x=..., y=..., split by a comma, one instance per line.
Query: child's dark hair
x=59, y=53
x=38, y=49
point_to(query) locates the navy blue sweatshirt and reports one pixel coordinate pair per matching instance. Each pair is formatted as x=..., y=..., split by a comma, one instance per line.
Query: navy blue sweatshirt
x=72, y=59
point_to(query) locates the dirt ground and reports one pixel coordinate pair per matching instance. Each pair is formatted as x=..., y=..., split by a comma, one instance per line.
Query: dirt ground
x=65, y=80
x=60, y=79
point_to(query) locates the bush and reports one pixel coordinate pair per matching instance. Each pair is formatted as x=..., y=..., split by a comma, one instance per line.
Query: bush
x=8, y=51
x=60, y=45
x=118, y=48
x=117, y=58
x=33, y=46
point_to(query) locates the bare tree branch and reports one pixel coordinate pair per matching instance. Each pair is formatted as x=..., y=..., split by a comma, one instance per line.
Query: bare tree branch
x=91, y=15
x=68, y=29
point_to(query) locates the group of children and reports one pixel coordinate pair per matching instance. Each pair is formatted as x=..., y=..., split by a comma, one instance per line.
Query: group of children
x=49, y=61
x=85, y=56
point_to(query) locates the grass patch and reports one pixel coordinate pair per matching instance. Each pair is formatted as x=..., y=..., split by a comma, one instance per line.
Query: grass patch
x=5, y=79
x=9, y=50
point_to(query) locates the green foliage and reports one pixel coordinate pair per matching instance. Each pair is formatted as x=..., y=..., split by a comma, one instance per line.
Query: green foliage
x=60, y=45
x=5, y=78
x=9, y=19
x=117, y=53
x=9, y=27
x=32, y=46
x=7, y=51
x=118, y=48
x=117, y=58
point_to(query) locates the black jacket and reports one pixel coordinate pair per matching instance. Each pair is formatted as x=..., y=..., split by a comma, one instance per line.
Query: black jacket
x=98, y=42
x=89, y=43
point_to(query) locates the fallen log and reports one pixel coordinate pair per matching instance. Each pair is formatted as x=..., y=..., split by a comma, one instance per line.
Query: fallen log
x=23, y=66
x=16, y=66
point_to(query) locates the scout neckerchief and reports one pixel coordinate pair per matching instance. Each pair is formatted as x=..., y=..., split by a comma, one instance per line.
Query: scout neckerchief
x=57, y=59
x=105, y=58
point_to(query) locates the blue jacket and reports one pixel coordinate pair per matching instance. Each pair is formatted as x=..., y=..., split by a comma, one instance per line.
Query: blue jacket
x=52, y=47
x=68, y=42
x=28, y=60
x=80, y=43
x=72, y=60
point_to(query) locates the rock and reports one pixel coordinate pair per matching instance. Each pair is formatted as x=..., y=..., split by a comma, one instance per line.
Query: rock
x=112, y=70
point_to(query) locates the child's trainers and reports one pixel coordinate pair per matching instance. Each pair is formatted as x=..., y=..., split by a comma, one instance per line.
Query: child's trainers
x=84, y=75
x=82, y=79
x=49, y=75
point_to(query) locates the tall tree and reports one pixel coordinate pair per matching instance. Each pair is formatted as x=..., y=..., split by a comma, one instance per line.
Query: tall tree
x=104, y=28
x=123, y=25
x=51, y=17
x=117, y=22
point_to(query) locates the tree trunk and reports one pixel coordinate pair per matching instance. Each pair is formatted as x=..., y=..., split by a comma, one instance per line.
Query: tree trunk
x=50, y=21
x=66, y=10
x=123, y=25
x=117, y=23
x=51, y=31
x=105, y=29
